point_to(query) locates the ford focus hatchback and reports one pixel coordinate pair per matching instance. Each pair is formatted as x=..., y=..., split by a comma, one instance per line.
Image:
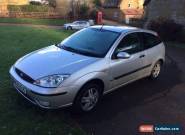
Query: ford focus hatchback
x=87, y=65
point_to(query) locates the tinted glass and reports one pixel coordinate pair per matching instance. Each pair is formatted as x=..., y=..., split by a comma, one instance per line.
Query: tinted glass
x=130, y=44
x=150, y=40
x=91, y=41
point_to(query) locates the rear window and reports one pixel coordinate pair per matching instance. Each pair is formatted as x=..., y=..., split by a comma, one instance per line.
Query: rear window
x=150, y=40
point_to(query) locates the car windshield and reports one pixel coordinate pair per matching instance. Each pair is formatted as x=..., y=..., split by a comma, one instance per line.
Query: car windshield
x=91, y=42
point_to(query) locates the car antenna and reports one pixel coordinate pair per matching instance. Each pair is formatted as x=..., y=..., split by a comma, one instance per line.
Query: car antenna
x=101, y=27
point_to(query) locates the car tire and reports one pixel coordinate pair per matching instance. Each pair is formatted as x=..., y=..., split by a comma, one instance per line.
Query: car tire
x=156, y=70
x=69, y=28
x=88, y=98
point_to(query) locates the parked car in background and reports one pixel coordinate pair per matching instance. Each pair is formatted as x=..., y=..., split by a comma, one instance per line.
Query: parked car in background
x=77, y=25
x=87, y=65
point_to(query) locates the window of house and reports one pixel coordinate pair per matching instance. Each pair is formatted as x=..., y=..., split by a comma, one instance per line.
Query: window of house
x=129, y=5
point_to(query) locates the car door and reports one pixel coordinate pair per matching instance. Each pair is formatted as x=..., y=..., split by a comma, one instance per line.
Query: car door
x=83, y=25
x=126, y=70
x=76, y=25
x=150, y=43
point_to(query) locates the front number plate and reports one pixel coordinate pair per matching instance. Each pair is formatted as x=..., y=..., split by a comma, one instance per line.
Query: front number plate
x=19, y=86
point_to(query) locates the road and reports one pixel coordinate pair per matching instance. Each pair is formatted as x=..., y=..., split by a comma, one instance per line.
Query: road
x=143, y=102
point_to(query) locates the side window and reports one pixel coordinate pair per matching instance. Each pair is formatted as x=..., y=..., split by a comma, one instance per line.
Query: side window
x=150, y=40
x=77, y=23
x=130, y=44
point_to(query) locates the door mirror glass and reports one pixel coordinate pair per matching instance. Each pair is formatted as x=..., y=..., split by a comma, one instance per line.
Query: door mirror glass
x=123, y=55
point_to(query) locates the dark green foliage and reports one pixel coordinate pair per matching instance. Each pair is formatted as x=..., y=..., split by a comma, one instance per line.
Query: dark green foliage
x=84, y=10
x=167, y=29
x=97, y=3
x=52, y=3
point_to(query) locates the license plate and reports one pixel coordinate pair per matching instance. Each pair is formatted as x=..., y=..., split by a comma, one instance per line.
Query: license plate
x=19, y=86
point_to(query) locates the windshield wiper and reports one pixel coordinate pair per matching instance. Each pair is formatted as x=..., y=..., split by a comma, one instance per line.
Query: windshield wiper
x=67, y=48
x=89, y=53
x=57, y=45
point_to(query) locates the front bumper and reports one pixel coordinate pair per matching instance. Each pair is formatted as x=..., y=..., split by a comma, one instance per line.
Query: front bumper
x=49, y=98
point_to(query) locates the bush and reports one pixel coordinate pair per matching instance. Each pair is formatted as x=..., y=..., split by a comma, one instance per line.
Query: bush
x=97, y=3
x=93, y=14
x=167, y=29
x=136, y=22
x=52, y=3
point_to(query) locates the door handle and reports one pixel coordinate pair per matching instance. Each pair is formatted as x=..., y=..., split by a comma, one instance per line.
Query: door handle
x=142, y=56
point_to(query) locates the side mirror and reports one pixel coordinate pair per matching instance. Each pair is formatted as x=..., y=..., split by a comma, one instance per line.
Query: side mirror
x=123, y=55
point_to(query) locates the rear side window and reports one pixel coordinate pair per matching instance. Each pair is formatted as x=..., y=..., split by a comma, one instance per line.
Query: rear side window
x=150, y=40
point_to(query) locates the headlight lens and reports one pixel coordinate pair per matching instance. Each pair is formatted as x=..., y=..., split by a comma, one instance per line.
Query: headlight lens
x=51, y=81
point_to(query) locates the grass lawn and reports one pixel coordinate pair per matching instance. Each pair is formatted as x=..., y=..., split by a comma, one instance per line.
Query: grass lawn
x=17, y=116
x=33, y=21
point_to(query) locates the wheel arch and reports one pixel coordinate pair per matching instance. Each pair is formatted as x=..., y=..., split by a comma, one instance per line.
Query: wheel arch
x=162, y=61
x=94, y=80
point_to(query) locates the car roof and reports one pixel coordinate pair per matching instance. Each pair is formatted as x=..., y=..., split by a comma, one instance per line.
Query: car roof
x=121, y=29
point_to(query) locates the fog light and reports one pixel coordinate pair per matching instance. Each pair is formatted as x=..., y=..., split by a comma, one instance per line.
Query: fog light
x=44, y=103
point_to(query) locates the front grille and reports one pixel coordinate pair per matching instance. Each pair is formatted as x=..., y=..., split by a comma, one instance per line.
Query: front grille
x=24, y=76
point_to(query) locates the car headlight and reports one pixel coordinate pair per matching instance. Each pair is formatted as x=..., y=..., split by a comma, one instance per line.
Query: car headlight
x=51, y=81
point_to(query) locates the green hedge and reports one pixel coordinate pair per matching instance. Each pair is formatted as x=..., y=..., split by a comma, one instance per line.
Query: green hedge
x=29, y=8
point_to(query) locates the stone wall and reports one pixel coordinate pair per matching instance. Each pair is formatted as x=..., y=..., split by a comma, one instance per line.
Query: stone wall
x=171, y=9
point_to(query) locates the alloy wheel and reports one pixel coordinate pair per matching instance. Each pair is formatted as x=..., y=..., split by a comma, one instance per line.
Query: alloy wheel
x=156, y=70
x=89, y=99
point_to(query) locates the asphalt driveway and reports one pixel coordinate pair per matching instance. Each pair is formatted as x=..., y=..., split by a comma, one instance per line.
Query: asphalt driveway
x=143, y=102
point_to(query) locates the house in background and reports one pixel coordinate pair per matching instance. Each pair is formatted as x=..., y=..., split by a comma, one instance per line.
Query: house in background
x=14, y=2
x=123, y=10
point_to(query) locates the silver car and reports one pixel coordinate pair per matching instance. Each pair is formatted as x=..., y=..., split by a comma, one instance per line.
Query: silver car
x=77, y=25
x=87, y=65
